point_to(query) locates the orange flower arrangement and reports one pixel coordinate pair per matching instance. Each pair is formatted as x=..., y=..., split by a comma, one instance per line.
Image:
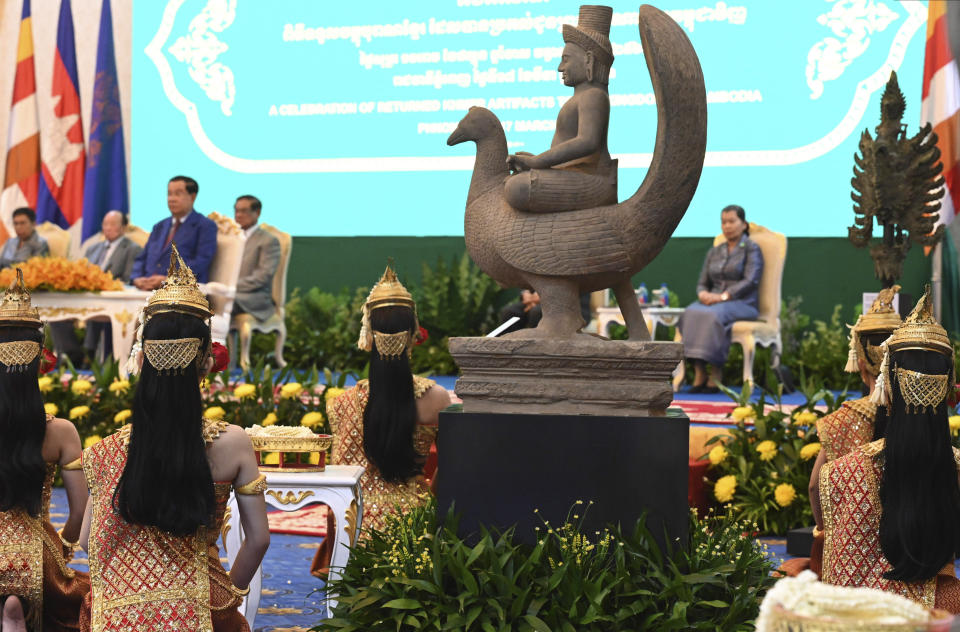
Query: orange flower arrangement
x=57, y=274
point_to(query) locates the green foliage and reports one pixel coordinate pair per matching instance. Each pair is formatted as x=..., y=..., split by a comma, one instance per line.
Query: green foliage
x=418, y=574
x=822, y=354
x=761, y=470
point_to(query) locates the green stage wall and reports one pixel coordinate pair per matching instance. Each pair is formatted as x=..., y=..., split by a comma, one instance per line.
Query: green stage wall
x=824, y=271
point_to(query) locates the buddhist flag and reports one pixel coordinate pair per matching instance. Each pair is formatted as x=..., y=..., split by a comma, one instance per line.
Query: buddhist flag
x=105, y=187
x=60, y=196
x=941, y=103
x=22, y=172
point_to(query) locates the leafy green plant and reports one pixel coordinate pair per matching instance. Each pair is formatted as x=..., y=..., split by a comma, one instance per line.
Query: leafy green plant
x=418, y=574
x=761, y=468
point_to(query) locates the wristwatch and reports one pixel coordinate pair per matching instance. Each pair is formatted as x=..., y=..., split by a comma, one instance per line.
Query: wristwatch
x=725, y=296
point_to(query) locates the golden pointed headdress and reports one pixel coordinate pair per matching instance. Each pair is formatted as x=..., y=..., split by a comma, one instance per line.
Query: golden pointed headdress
x=387, y=292
x=919, y=331
x=16, y=311
x=881, y=318
x=179, y=292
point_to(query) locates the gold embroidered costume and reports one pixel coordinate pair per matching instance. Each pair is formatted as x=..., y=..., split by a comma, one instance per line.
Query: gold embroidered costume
x=143, y=578
x=847, y=428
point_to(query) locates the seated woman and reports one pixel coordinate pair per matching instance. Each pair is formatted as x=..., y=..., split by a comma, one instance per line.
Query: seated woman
x=159, y=487
x=726, y=292
x=891, y=508
x=37, y=589
x=386, y=423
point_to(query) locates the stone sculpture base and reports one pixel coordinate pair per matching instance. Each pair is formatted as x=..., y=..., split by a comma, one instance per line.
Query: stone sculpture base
x=495, y=470
x=581, y=376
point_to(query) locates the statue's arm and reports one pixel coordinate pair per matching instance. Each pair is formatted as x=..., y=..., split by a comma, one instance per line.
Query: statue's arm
x=593, y=115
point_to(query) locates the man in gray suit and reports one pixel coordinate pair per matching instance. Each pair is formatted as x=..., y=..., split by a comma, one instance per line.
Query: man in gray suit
x=261, y=256
x=114, y=254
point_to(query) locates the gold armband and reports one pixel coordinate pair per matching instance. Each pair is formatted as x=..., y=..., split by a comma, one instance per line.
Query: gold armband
x=254, y=487
x=239, y=592
x=817, y=532
x=76, y=464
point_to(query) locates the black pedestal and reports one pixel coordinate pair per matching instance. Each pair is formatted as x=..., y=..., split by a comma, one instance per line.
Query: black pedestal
x=496, y=469
x=800, y=541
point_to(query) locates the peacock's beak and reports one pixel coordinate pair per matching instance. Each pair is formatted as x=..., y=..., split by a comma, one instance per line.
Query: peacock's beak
x=458, y=136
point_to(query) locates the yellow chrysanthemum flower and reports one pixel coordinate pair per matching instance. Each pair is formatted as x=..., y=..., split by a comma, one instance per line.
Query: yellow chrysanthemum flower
x=743, y=412
x=767, y=450
x=291, y=390
x=725, y=487
x=79, y=412
x=245, y=391
x=954, y=421
x=119, y=387
x=312, y=420
x=269, y=420
x=81, y=387
x=214, y=412
x=809, y=451
x=718, y=455
x=784, y=494
x=45, y=383
x=92, y=440
x=122, y=416
x=51, y=409
x=804, y=418
x=332, y=392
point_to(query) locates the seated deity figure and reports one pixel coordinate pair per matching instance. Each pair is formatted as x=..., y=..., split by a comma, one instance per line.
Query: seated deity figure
x=577, y=171
x=891, y=508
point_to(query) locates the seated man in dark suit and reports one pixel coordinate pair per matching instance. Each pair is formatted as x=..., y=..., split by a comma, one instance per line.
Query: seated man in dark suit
x=261, y=256
x=115, y=254
x=194, y=234
x=25, y=242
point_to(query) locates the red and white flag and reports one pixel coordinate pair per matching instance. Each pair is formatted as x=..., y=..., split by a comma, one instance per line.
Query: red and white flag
x=22, y=172
x=941, y=104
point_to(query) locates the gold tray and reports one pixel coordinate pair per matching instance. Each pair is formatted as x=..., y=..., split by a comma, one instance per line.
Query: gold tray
x=316, y=443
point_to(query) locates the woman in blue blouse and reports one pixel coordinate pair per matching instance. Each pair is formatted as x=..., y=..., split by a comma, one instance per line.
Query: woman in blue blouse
x=726, y=292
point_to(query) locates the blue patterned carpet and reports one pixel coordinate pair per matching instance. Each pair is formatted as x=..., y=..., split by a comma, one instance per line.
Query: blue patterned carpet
x=289, y=601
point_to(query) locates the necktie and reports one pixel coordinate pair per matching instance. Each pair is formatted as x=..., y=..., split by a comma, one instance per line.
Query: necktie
x=101, y=255
x=173, y=231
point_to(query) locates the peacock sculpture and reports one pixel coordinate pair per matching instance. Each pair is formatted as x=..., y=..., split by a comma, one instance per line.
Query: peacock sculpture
x=563, y=254
x=897, y=181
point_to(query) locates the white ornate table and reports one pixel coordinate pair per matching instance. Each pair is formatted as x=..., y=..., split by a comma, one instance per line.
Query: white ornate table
x=120, y=307
x=338, y=487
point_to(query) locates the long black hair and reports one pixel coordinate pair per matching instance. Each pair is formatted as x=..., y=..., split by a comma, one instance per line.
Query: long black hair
x=736, y=208
x=391, y=413
x=23, y=426
x=920, y=495
x=166, y=482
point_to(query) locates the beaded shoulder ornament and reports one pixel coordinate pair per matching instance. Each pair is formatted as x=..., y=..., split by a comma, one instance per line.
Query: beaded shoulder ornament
x=919, y=331
x=388, y=292
x=17, y=311
x=179, y=293
x=881, y=318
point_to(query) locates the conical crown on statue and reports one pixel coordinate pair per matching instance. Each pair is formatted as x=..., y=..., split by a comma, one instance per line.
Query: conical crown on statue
x=16, y=309
x=179, y=292
x=592, y=32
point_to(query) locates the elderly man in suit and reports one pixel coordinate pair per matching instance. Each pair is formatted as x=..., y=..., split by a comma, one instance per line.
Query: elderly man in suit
x=194, y=234
x=115, y=254
x=261, y=256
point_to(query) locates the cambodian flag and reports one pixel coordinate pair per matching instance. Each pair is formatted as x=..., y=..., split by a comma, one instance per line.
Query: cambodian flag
x=60, y=199
x=105, y=187
x=23, y=143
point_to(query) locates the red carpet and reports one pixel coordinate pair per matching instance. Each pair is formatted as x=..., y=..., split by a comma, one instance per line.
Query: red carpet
x=311, y=520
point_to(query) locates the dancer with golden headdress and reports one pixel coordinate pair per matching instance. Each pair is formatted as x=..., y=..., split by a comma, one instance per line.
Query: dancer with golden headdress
x=40, y=591
x=891, y=508
x=159, y=487
x=388, y=422
x=853, y=424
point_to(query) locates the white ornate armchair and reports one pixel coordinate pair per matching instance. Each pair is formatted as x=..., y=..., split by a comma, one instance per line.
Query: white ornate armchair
x=246, y=324
x=765, y=331
x=224, y=273
x=57, y=238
